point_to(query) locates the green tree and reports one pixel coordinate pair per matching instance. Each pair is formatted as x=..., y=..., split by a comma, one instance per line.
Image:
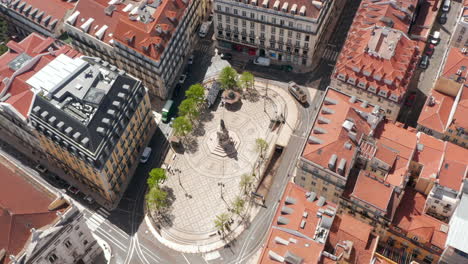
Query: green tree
x=246, y=80
x=238, y=205
x=228, y=78
x=156, y=199
x=261, y=146
x=246, y=182
x=196, y=92
x=156, y=176
x=182, y=126
x=189, y=108
x=221, y=222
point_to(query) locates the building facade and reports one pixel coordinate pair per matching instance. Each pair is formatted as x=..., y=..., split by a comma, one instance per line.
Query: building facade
x=150, y=39
x=460, y=36
x=44, y=17
x=94, y=123
x=290, y=32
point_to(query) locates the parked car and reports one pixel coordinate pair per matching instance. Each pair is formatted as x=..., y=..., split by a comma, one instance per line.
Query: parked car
x=89, y=199
x=435, y=39
x=73, y=190
x=146, y=154
x=226, y=56
x=190, y=59
x=446, y=6
x=424, y=62
x=297, y=92
x=262, y=61
x=430, y=49
x=443, y=18
x=410, y=99
x=182, y=78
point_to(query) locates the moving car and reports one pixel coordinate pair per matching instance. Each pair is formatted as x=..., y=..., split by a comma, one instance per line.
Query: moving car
x=226, y=56
x=446, y=6
x=424, y=62
x=204, y=29
x=297, y=92
x=146, y=154
x=89, y=199
x=190, y=59
x=182, y=78
x=262, y=61
x=435, y=39
x=443, y=18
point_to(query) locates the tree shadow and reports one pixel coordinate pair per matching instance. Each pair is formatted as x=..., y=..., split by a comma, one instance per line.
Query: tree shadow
x=206, y=115
x=191, y=144
x=234, y=107
x=252, y=95
x=199, y=130
x=165, y=216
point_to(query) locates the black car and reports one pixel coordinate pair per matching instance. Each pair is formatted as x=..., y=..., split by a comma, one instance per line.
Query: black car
x=226, y=56
x=424, y=62
x=443, y=18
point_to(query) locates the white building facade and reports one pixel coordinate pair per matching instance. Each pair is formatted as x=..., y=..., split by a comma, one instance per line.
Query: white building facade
x=288, y=32
x=460, y=36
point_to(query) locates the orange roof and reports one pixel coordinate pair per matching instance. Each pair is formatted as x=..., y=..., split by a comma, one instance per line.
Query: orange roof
x=328, y=136
x=348, y=228
x=312, y=9
x=51, y=10
x=22, y=206
x=436, y=112
x=377, y=53
x=454, y=167
x=95, y=9
x=369, y=190
x=307, y=249
x=385, y=154
x=429, y=155
x=456, y=65
x=149, y=38
x=33, y=45
x=410, y=217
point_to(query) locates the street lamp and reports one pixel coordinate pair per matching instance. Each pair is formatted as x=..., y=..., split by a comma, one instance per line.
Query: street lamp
x=221, y=185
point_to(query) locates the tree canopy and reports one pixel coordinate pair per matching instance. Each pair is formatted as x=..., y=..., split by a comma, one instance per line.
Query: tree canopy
x=228, y=78
x=156, y=198
x=261, y=145
x=246, y=80
x=182, y=126
x=196, y=92
x=156, y=176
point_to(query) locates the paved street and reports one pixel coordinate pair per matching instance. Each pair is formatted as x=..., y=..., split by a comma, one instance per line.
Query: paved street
x=424, y=79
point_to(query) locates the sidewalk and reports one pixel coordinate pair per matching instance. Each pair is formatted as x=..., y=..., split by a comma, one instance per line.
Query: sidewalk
x=199, y=176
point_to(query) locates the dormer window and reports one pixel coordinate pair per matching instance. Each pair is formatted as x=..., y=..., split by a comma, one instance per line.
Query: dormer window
x=276, y=5
x=265, y=3
x=285, y=7
x=302, y=12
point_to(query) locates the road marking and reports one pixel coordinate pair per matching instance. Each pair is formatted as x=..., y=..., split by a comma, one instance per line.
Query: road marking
x=103, y=212
x=111, y=239
x=185, y=258
x=149, y=252
x=139, y=251
x=149, y=255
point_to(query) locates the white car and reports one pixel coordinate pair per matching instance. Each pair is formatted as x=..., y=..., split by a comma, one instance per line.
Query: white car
x=89, y=199
x=190, y=59
x=182, y=78
x=146, y=154
x=435, y=39
x=446, y=6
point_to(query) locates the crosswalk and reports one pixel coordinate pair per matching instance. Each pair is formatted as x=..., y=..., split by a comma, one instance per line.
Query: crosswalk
x=330, y=55
x=97, y=218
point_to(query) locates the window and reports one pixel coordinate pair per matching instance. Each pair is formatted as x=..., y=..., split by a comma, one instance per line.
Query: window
x=52, y=258
x=67, y=244
x=436, y=201
x=324, y=189
x=85, y=242
x=389, y=111
x=307, y=38
x=226, y=9
x=218, y=7
x=313, y=183
x=235, y=11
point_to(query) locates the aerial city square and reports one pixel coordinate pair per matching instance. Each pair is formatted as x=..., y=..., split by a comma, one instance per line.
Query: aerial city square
x=233, y=131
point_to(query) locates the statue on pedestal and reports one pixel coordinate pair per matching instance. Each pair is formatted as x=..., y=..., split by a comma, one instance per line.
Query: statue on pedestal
x=223, y=134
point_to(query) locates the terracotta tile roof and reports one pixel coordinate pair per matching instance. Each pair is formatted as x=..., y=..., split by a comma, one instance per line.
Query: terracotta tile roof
x=396, y=14
x=429, y=156
x=456, y=65
x=43, y=13
x=377, y=53
x=96, y=9
x=149, y=38
x=20, y=94
x=307, y=249
x=454, y=167
x=22, y=206
x=385, y=154
x=369, y=190
x=436, y=112
x=410, y=218
x=348, y=228
x=329, y=137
